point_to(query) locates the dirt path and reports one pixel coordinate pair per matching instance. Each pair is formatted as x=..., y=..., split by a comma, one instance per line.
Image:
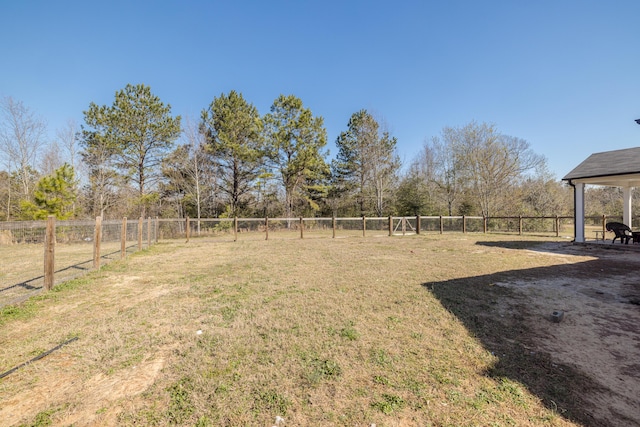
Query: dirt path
x=599, y=333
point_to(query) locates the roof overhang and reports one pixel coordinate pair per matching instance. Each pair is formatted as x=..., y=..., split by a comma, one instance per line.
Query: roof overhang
x=627, y=180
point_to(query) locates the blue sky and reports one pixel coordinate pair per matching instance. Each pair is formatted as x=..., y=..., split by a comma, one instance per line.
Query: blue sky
x=563, y=75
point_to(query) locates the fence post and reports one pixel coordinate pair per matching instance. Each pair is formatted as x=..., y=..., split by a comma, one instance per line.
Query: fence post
x=301, y=228
x=441, y=225
x=604, y=225
x=364, y=226
x=557, y=226
x=157, y=229
x=464, y=223
x=333, y=226
x=235, y=228
x=186, y=229
x=140, y=233
x=266, y=228
x=148, y=232
x=97, y=238
x=417, y=224
x=123, y=238
x=390, y=226
x=484, y=223
x=49, y=252
x=520, y=225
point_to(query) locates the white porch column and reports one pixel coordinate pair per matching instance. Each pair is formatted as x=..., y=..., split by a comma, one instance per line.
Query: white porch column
x=626, y=205
x=578, y=200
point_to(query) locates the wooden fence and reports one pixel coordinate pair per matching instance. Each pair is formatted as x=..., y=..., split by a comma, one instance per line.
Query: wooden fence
x=70, y=243
x=50, y=244
x=235, y=228
x=71, y=248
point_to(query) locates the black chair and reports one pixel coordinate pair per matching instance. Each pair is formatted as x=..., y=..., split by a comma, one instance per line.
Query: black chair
x=622, y=231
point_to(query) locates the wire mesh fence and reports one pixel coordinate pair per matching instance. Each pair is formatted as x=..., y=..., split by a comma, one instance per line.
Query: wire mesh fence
x=81, y=246
x=23, y=251
x=319, y=227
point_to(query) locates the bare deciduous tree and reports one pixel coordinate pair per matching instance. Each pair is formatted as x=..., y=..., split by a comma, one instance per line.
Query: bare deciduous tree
x=446, y=168
x=67, y=138
x=22, y=135
x=491, y=163
x=543, y=195
x=50, y=158
x=196, y=142
x=188, y=171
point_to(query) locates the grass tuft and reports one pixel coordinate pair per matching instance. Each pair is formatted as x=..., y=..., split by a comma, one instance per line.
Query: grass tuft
x=180, y=406
x=271, y=401
x=388, y=404
x=349, y=332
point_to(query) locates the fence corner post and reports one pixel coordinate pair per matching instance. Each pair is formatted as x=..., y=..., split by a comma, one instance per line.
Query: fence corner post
x=364, y=226
x=266, y=228
x=390, y=226
x=49, y=252
x=418, y=224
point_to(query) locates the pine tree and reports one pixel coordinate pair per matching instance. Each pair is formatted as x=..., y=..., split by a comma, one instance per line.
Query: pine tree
x=54, y=195
x=234, y=138
x=137, y=131
x=295, y=141
x=366, y=164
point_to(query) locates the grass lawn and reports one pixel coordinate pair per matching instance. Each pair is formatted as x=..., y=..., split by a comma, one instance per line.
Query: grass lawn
x=344, y=332
x=22, y=273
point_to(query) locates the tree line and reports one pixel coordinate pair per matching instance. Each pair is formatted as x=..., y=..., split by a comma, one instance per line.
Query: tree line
x=135, y=158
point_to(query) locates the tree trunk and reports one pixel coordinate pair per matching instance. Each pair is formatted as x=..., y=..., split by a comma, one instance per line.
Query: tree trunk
x=9, y=202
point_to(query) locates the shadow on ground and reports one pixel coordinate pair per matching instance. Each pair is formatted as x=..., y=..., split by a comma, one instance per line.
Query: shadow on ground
x=513, y=336
x=19, y=292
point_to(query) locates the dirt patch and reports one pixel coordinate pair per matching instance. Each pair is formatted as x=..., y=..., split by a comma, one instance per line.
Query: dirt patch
x=98, y=392
x=108, y=388
x=599, y=333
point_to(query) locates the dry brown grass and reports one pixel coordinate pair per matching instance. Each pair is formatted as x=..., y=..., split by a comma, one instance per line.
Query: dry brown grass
x=318, y=331
x=23, y=266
